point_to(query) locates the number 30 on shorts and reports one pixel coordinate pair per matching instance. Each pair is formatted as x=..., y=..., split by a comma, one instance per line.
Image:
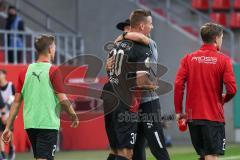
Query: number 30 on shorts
x=134, y=137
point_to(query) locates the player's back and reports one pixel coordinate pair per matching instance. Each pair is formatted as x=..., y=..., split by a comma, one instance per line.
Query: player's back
x=129, y=57
x=205, y=76
x=41, y=109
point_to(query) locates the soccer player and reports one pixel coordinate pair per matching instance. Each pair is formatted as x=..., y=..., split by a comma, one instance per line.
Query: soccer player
x=144, y=131
x=142, y=23
x=7, y=90
x=42, y=91
x=205, y=71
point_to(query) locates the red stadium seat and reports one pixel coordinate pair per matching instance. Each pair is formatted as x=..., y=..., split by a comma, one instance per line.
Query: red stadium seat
x=235, y=20
x=160, y=12
x=219, y=18
x=202, y=5
x=221, y=5
x=190, y=30
x=236, y=5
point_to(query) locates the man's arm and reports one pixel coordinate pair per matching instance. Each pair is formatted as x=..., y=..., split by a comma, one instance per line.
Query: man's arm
x=143, y=81
x=57, y=82
x=7, y=134
x=135, y=36
x=68, y=108
x=229, y=81
x=14, y=110
x=109, y=64
x=17, y=100
x=179, y=87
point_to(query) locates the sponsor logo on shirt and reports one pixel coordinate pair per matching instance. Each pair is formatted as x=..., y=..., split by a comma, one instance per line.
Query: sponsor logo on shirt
x=37, y=75
x=205, y=59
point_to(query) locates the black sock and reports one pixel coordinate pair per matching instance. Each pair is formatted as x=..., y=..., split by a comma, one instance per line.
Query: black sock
x=3, y=155
x=120, y=158
x=201, y=158
x=111, y=157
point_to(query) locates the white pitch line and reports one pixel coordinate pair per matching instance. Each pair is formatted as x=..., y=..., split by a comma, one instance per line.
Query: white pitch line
x=231, y=158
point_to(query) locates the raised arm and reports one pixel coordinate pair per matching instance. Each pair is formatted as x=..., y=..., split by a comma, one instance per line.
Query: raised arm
x=135, y=36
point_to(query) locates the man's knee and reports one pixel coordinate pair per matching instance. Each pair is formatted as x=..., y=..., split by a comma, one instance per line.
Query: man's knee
x=211, y=157
x=127, y=153
x=114, y=151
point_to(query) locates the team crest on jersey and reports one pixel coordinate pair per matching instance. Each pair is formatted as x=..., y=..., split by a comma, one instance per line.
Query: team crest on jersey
x=126, y=45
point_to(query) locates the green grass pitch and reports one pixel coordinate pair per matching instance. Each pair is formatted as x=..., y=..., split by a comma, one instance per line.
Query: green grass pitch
x=176, y=153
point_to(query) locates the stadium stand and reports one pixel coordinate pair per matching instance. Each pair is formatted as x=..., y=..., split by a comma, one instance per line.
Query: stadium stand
x=236, y=5
x=202, y=5
x=220, y=18
x=221, y=5
x=235, y=20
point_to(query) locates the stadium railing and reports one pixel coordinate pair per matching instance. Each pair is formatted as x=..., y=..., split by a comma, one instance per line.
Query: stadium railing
x=67, y=46
x=44, y=20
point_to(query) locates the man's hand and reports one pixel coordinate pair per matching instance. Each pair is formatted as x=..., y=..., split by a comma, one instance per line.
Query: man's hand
x=144, y=82
x=178, y=116
x=6, y=136
x=109, y=63
x=68, y=108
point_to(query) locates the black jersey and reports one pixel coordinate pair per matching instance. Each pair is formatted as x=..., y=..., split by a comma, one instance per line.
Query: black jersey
x=129, y=57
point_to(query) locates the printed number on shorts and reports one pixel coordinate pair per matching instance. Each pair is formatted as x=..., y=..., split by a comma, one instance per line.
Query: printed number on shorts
x=118, y=57
x=54, y=150
x=134, y=137
x=224, y=144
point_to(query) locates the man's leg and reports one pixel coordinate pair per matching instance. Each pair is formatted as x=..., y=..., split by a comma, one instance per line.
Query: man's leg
x=153, y=130
x=197, y=139
x=124, y=154
x=32, y=136
x=112, y=154
x=211, y=157
x=46, y=143
x=126, y=131
x=11, y=154
x=139, y=152
x=214, y=141
x=111, y=134
x=109, y=106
